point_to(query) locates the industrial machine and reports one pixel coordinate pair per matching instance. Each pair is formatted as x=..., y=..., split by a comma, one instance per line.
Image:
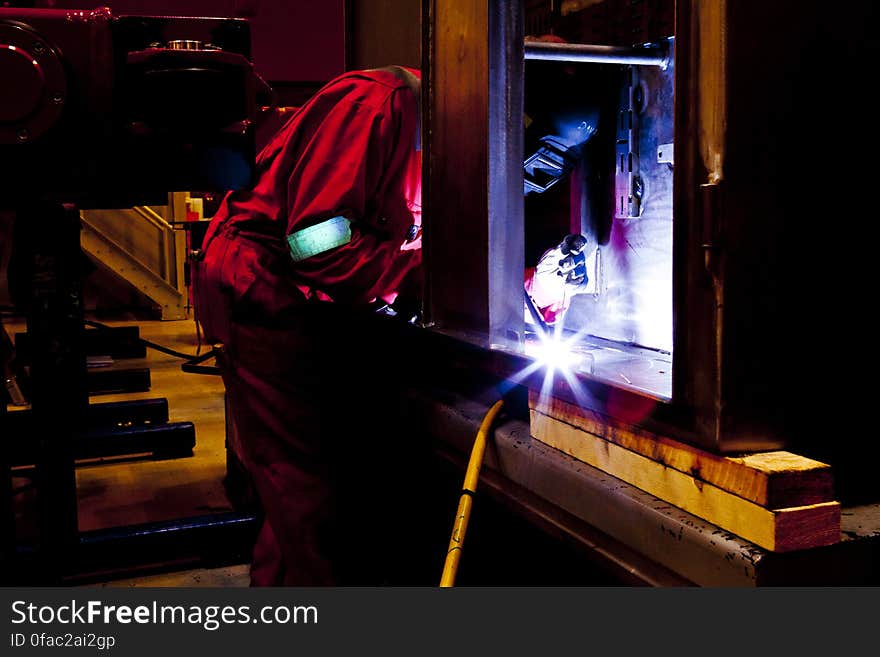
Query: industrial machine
x=107, y=112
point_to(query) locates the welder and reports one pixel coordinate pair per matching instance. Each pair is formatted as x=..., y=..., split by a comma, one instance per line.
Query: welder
x=289, y=271
x=561, y=118
x=561, y=273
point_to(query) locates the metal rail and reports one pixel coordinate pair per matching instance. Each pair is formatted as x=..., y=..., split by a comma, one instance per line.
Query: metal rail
x=576, y=52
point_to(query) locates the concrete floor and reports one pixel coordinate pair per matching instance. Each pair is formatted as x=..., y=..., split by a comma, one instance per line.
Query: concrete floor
x=237, y=576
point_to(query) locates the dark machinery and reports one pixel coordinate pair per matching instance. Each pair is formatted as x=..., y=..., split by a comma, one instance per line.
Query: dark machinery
x=113, y=111
x=109, y=111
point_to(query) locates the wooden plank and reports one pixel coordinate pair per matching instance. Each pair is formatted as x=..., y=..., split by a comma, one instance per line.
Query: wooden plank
x=775, y=480
x=778, y=530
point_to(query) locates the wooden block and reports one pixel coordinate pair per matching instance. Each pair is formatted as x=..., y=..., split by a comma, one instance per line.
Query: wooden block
x=777, y=530
x=775, y=480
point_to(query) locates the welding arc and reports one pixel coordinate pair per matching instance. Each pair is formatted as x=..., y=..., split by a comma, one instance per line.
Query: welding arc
x=465, y=502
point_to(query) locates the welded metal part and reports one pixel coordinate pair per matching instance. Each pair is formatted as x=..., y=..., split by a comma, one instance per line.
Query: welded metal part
x=597, y=54
x=646, y=370
x=666, y=154
x=628, y=187
x=473, y=153
x=633, y=304
x=505, y=153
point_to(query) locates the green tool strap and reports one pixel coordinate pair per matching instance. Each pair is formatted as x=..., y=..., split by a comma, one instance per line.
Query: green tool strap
x=319, y=238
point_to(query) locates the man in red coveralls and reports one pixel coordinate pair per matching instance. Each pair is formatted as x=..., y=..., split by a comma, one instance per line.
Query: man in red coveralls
x=330, y=229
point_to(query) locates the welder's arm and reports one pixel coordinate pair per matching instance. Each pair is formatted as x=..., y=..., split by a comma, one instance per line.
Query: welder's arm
x=553, y=282
x=554, y=263
x=346, y=162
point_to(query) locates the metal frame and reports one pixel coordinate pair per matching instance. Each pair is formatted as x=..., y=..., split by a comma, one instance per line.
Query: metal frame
x=598, y=54
x=473, y=235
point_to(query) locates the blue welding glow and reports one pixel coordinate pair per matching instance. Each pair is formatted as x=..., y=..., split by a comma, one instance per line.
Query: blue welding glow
x=555, y=355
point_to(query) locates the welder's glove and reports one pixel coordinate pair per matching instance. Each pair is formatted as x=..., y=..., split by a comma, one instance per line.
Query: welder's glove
x=560, y=274
x=407, y=305
x=408, y=310
x=569, y=264
x=573, y=267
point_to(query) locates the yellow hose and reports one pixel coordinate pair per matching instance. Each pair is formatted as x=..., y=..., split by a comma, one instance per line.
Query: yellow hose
x=465, y=502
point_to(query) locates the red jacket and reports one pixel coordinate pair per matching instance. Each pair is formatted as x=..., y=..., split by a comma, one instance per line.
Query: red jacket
x=350, y=151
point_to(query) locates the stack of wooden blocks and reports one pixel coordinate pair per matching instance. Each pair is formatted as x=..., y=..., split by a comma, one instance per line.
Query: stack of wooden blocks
x=777, y=500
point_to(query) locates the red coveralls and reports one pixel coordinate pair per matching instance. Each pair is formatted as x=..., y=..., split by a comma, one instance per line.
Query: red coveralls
x=304, y=379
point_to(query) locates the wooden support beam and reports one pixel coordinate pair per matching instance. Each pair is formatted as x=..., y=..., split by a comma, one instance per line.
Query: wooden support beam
x=778, y=530
x=774, y=480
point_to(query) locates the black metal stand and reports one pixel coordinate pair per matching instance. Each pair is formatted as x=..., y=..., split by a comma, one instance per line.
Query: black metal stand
x=116, y=342
x=7, y=507
x=161, y=441
x=48, y=242
x=46, y=280
x=103, y=415
x=115, y=380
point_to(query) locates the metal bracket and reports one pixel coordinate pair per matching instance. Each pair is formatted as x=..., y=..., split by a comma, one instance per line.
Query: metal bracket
x=666, y=154
x=628, y=184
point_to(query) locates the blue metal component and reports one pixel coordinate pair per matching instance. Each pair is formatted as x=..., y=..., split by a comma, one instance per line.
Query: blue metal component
x=553, y=160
